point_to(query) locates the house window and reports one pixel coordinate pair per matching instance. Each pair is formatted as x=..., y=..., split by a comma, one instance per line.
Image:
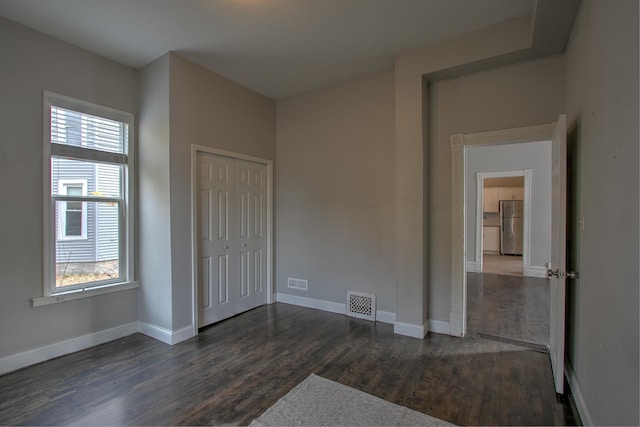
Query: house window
x=88, y=214
x=72, y=221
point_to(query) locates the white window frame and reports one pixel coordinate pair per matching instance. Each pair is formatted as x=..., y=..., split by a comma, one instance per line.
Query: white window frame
x=126, y=280
x=62, y=217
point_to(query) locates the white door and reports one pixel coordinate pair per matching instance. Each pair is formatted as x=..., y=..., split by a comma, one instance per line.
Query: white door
x=556, y=268
x=231, y=211
x=251, y=226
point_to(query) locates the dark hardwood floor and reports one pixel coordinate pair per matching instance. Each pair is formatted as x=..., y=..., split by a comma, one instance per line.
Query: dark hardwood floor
x=508, y=306
x=234, y=370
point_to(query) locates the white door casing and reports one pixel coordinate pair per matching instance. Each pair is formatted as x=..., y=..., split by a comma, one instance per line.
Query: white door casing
x=231, y=234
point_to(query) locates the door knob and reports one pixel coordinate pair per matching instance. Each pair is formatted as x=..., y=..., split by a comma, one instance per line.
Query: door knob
x=226, y=247
x=244, y=245
x=557, y=273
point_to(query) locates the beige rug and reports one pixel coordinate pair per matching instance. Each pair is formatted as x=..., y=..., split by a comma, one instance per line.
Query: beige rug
x=320, y=402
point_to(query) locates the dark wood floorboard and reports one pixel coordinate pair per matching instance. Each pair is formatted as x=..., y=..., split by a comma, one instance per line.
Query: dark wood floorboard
x=508, y=306
x=234, y=370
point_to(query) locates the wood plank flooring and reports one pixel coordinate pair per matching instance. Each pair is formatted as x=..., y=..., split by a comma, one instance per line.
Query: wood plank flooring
x=508, y=306
x=234, y=370
x=502, y=264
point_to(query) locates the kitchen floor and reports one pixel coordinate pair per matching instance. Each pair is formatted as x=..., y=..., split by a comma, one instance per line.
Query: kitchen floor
x=502, y=264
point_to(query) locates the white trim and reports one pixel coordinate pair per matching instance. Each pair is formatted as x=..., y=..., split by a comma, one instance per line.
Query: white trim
x=458, y=142
x=195, y=149
x=332, y=307
x=439, y=327
x=83, y=293
x=385, y=317
x=534, y=271
x=471, y=267
x=165, y=335
x=578, y=397
x=41, y=354
x=411, y=330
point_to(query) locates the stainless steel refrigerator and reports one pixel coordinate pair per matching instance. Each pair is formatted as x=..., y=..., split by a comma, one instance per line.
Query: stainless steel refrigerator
x=511, y=227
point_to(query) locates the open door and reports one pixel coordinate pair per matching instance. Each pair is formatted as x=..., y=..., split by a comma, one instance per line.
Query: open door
x=556, y=268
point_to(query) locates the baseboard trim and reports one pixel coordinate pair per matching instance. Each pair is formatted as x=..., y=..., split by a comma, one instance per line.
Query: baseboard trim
x=411, y=330
x=385, y=317
x=165, y=335
x=400, y=328
x=534, y=271
x=439, y=327
x=318, y=304
x=41, y=354
x=578, y=398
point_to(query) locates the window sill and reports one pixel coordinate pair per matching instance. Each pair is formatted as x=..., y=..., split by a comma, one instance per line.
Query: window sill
x=80, y=293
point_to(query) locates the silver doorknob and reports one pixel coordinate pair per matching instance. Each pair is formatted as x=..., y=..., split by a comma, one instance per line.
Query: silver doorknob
x=557, y=273
x=226, y=247
x=244, y=245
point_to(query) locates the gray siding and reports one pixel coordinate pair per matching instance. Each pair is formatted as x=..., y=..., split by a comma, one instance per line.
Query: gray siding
x=107, y=183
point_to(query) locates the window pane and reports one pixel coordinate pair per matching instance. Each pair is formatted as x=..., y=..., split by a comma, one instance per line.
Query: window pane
x=84, y=130
x=73, y=224
x=103, y=180
x=96, y=258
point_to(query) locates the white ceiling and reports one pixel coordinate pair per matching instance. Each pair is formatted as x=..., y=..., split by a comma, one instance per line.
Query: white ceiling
x=276, y=47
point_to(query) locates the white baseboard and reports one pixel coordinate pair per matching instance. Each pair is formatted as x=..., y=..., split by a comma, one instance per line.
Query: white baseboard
x=471, y=267
x=333, y=307
x=37, y=355
x=439, y=327
x=578, y=398
x=165, y=335
x=400, y=328
x=534, y=271
x=385, y=317
x=411, y=330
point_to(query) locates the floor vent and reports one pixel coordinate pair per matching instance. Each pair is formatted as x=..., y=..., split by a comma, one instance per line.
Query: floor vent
x=362, y=306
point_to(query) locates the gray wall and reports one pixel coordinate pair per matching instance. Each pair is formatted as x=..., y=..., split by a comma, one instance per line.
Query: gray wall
x=31, y=63
x=154, y=231
x=535, y=156
x=602, y=114
x=525, y=94
x=207, y=109
x=335, y=194
x=183, y=104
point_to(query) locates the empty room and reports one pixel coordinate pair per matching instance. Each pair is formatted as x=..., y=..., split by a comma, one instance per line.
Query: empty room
x=267, y=212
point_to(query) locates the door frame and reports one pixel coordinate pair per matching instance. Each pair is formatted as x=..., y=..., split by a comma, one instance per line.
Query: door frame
x=526, y=214
x=195, y=149
x=459, y=142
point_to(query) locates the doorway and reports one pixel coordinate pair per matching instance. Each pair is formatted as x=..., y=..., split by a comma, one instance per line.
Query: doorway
x=502, y=222
x=231, y=196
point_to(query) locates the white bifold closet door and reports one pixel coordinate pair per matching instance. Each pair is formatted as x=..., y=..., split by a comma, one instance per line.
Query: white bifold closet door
x=232, y=241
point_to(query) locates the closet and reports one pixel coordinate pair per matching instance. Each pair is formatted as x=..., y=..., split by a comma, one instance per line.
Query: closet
x=232, y=236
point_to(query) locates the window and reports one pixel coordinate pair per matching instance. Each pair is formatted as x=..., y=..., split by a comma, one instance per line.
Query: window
x=88, y=211
x=72, y=223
